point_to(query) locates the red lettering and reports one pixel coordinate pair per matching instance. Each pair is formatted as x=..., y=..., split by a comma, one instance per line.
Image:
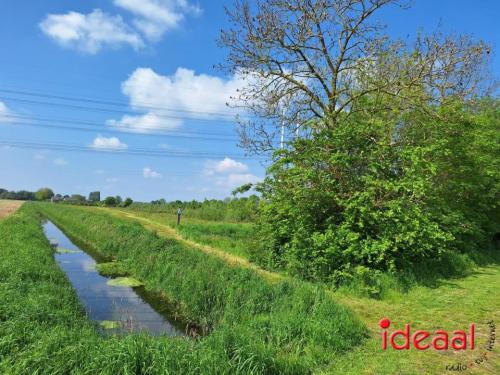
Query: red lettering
x=472, y=338
x=405, y=334
x=443, y=337
x=384, y=323
x=459, y=337
x=418, y=337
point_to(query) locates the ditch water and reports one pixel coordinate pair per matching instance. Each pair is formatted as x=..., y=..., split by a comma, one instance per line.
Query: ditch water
x=116, y=309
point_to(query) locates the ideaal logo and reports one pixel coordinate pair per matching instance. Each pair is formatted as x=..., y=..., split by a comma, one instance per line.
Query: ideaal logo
x=423, y=340
x=439, y=340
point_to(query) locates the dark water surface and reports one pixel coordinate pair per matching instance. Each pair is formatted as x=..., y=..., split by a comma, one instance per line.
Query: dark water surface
x=131, y=308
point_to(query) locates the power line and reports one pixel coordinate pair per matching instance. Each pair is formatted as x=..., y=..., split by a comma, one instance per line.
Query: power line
x=111, y=131
x=123, y=129
x=106, y=110
x=113, y=103
x=123, y=151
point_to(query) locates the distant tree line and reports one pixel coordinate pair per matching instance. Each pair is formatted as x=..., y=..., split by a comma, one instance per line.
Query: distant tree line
x=21, y=195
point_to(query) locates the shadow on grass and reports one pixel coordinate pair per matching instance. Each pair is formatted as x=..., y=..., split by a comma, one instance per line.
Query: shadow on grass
x=431, y=273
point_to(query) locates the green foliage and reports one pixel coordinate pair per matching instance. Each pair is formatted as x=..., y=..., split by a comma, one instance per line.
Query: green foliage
x=95, y=196
x=242, y=189
x=232, y=210
x=21, y=195
x=44, y=194
x=256, y=326
x=384, y=193
x=77, y=198
x=127, y=202
x=110, y=202
x=112, y=269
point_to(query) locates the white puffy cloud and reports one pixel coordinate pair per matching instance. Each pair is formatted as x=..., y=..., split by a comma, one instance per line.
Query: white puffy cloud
x=224, y=166
x=146, y=123
x=90, y=32
x=5, y=114
x=155, y=17
x=60, y=162
x=112, y=143
x=149, y=173
x=229, y=173
x=191, y=95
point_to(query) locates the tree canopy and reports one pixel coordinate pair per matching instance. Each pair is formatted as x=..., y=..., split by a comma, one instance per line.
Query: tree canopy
x=384, y=152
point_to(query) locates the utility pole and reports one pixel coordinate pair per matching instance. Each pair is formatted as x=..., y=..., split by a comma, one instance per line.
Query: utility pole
x=283, y=128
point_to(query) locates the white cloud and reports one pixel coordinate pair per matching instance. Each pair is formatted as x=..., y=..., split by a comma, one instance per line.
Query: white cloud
x=146, y=123
x=112, y=180
x=149, y=173
x=155, y=17
x=90, y=32
x=229, y=173
x=111, y=143
x=60, y=162
x=226, y=165
x=193, y=95
x=5, y=114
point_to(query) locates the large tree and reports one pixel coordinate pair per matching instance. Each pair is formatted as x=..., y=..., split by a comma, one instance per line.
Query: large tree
x=311, y=61
x=44, y=194
x=389, y=156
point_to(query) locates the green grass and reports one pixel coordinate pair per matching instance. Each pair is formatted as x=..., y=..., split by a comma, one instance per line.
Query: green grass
x=451, y=304
x=254, y=325
x=448, y=293
x=112, y=269
x=234, y=238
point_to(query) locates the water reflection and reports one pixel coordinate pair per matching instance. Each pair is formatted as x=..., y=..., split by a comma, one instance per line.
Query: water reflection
x=105, y=303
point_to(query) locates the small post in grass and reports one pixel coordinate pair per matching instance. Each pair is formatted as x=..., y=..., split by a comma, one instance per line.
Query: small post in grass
x=179, y=212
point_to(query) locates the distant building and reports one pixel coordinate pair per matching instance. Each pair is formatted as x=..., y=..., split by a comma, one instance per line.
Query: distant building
x=56, y=198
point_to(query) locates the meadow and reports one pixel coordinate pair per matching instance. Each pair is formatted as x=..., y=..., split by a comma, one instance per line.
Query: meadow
x=252, y=321
x=251, y=325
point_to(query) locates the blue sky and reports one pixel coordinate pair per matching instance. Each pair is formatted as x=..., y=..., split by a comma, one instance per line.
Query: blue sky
x=123, y=53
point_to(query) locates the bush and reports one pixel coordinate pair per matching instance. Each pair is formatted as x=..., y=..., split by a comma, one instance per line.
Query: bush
x=127, y=202
x=44, y=194
x=384, y=194
x=110, y=202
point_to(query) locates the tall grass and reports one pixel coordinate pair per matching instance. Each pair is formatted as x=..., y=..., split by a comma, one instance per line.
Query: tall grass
x=234, y=238
x=255, y=326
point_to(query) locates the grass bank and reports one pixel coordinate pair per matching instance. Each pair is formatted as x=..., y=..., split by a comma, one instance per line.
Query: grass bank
x=255, y=326
x=449, y=294
x=234, y=238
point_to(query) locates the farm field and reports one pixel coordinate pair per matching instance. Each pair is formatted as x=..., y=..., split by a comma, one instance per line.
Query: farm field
x=7, y=207
x=253, y=322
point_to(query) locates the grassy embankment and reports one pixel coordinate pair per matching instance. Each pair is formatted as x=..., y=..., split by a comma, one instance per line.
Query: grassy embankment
x=234, y=238
x=255, y=325
x=51, y=334
x=450, y=304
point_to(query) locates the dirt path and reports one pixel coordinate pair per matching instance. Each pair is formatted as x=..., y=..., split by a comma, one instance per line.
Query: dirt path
x=8, y=207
